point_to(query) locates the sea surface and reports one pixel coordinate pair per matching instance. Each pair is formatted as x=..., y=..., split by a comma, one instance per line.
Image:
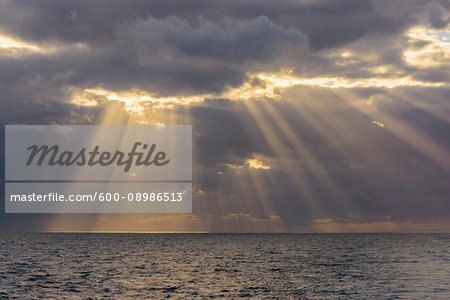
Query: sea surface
x=260, y=266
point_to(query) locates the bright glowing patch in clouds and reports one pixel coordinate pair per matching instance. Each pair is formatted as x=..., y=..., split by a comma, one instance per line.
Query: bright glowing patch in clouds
x=14, y=46
x=258, y=162
x=436, y=49
x=10, y=45
x=135, y=100
x=379, y=124
x=261, y=85
x=336, y=82
x=271, y=85
x=10, y=42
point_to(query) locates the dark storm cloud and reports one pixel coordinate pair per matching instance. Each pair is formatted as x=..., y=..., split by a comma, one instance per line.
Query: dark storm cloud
x=221, y=123
x=327, y=22
x=257, y=39
x=188, y=47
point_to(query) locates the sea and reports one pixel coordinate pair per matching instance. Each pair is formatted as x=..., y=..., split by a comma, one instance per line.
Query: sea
x=229, y=266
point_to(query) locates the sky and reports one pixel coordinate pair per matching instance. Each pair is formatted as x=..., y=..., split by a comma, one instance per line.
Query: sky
x=307, y=116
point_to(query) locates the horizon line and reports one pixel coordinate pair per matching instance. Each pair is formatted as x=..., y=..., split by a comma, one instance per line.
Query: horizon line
x=222, y=232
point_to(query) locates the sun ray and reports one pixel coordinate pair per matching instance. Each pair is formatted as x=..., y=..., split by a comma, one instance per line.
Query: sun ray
x=414, y=137
x=306, y=155
x=279, y=148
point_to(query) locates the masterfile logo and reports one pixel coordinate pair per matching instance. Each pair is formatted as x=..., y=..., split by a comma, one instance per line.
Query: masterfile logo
x=98, y=152
x=52, y=156
x=95, y=168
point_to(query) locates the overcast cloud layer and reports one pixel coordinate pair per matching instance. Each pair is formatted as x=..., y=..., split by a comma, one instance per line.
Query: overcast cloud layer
x=360, y=134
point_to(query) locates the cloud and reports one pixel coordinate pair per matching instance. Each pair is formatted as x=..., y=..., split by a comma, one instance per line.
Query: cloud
x=120, y=46
x=379, y=124
x=229, y=40
x=438, y=15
